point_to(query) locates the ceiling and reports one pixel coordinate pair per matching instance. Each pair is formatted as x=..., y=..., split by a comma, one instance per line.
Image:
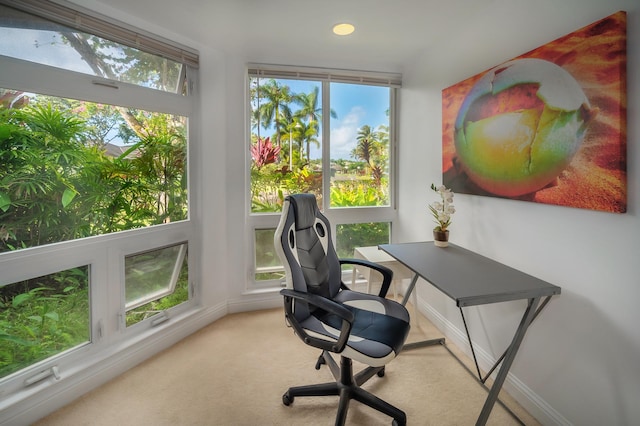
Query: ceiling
x=388, y=33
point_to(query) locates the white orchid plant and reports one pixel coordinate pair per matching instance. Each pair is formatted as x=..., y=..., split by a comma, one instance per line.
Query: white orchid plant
x=444, y=209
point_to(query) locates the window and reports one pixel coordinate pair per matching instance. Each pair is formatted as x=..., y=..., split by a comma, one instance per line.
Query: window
x=74, y=169
x=360, y=146
x=155, y=281
x=267, y=264
x=53, y=34
x=350, y=236
x=286, y=141
x=95, y=222
x=330, y=134
x=42, y=317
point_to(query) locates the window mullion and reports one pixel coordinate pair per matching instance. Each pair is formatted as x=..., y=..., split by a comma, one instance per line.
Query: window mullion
x=26, y=76
x=326, y=145
x=393, y=149
x=362, y=212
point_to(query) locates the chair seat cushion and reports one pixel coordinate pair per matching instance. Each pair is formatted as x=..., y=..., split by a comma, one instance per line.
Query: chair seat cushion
x=378, y=333
x=372, y=302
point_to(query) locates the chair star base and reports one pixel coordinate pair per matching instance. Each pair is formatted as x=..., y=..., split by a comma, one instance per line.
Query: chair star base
x=347, y=387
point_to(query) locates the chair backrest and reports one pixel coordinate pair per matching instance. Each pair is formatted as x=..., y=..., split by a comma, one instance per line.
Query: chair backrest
x=303, y=243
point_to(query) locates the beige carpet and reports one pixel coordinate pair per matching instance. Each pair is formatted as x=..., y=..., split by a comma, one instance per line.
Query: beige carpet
x=235, y=371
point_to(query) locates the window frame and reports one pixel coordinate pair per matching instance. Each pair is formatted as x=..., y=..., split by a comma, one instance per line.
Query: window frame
x=82, y=19
x=335, y=215
x=104, y=254
x=172, y=279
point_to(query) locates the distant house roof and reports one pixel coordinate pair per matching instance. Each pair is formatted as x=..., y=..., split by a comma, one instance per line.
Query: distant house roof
x=113, y=150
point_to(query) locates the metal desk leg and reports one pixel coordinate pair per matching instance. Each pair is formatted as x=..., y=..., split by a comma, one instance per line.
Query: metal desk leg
x=412, y=285
x=528, y=316
x=423, y=343
x=495, y=365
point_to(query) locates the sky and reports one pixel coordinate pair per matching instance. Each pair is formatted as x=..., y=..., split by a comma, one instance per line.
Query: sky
x=44, y=47
x=355, y=105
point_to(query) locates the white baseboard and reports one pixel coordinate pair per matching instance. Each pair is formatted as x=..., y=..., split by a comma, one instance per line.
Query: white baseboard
x=104, y=368
x=255, y=301
x=529, y=400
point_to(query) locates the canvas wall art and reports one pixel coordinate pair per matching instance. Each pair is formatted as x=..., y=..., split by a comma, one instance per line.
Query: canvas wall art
x=548, y=126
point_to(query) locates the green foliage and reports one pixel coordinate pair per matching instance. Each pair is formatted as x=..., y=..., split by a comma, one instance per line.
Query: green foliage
x=364, y=181
x=42, y=317
x=349, y=193
x=5, y=202
x=54, y=124
x=56, y=184
x=43, y=163
x=270, y=185
x=355, y=235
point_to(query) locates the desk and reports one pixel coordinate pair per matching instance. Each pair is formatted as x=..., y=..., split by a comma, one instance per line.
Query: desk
x=470, y=280
x=375, y=255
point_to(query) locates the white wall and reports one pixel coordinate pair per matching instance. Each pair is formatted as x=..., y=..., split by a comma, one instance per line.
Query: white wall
x=212, y=157
x=579, y=362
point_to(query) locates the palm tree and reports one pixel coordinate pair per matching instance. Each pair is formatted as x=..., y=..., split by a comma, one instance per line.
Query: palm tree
x=254, y=85
x=278, y=97
x=365, y=149
x=307, y=133
x=371, y=150
x=287, y=123
x=311, y=112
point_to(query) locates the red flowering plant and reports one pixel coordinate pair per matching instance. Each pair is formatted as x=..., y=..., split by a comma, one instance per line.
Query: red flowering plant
x=264, y=152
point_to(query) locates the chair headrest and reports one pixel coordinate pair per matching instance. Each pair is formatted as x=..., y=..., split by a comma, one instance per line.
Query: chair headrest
x=305, y=209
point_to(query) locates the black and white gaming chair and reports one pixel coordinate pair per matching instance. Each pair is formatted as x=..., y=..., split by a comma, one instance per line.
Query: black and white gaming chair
x=325, y=314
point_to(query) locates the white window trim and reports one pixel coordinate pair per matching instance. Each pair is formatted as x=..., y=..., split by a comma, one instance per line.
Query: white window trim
x=104, y=253
x=325, y=74
x=335, y=215
x=26, y=76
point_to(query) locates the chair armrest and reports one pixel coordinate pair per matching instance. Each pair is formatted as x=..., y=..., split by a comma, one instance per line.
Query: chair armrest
x=387, y=274
x=325, y=304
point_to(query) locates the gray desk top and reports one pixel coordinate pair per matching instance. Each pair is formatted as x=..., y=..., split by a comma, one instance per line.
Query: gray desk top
x=467, y=277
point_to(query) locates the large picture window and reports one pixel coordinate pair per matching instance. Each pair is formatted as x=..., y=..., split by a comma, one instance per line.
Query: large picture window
x=323, y=133
x=94, y=191
x=73, y=169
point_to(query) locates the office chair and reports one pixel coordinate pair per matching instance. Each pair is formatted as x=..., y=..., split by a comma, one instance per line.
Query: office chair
x=325, y=314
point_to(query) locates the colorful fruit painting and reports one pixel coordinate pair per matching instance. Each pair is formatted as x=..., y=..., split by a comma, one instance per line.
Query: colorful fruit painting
x=548, y=126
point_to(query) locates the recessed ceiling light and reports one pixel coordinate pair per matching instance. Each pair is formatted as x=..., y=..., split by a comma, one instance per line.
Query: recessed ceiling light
x=343, y=29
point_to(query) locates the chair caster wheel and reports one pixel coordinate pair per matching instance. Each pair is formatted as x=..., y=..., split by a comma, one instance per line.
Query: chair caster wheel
x=380, y=373
x=288, y=399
